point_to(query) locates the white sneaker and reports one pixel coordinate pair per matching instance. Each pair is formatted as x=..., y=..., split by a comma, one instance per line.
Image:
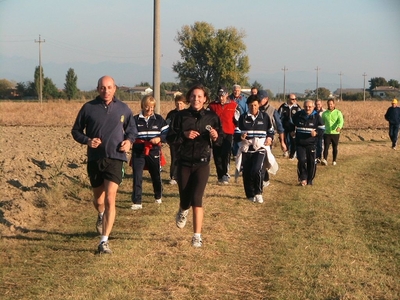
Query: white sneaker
x=324, y=162
x=136, y=206
x=225, y=179
x=252, y=199
x=172, y=182
x=159, y=201
x=181, y=218
x=266, y=183
x=334, y=163
x=286, y=154
x=259, y=198
x=197, y=242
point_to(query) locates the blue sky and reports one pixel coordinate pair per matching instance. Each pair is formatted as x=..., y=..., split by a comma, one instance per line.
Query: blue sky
x=97, y=37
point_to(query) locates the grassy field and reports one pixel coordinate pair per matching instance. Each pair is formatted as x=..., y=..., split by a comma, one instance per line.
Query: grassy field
x=337, y=239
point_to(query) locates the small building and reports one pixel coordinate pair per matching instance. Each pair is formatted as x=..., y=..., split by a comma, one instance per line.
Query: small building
x=385, y=91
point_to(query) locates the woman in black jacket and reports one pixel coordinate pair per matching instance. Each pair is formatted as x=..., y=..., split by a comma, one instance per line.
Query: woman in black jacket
x=194, y=130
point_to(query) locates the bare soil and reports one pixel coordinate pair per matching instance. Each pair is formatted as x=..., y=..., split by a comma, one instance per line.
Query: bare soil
x=37, y=160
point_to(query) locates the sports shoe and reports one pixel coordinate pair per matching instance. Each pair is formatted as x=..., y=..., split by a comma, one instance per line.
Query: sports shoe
x=318, y=160
x=136, y=206
x=172, y=182
x=104, y=248
x=259, y=198
x=394, y=148
x=225, y=179
x=266, y=183
x=309, y=182
x=303, y=183
x=286, y=154
x=159, y=201
x=252, y=199
x=197, y=242
x=99, y=224
x=334, y=163
x=181, y=218
x=324, y=162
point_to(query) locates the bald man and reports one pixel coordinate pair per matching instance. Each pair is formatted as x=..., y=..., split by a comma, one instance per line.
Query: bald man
x=107, y=127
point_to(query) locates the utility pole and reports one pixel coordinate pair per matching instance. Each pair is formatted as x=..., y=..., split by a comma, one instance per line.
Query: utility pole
x=284, y=82
x=317, y=69
x=156, y=55
x=364, y=84
x=40, y=41
x=340, y=74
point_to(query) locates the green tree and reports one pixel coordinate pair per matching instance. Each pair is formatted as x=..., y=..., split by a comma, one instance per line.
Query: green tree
x=257, y=85
x=70, y=86
x=394, y=83
x=37, y=80
x=211, y=57
x=50, y=91
x=376, y=81
x=323, y=93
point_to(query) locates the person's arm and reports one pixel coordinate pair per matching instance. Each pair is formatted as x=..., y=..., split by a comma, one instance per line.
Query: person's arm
x=79, y=127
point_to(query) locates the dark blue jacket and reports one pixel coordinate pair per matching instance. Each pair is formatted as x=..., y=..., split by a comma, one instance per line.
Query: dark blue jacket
x=305, y=124
x=393, y=115
x=111, y=123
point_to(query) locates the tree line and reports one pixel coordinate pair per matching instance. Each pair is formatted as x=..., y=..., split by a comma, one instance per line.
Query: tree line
x=209, y=56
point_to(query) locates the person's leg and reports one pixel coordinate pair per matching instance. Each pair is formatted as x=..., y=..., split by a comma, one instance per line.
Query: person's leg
x=110, y=189
x=257, y=172
x=246, y=173
x=153, y=164
x=335, y=143
x=292, y=146
x=395, y=134
x=217, y=155
x=327, y=142
x=311, y=165
x=301, y=163
x=226, y=153
x=138, y=162
x=98, y=198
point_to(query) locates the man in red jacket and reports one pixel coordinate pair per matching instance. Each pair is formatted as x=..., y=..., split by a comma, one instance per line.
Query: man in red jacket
x=225, y=109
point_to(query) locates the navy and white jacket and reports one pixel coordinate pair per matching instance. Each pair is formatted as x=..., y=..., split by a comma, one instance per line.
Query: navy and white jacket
x=258, y=128
x=153, y=126
x=305, y=124
x=112, y=123
x=287, y=112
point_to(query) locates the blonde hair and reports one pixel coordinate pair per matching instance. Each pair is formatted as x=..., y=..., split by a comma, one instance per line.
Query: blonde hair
x=147, y=100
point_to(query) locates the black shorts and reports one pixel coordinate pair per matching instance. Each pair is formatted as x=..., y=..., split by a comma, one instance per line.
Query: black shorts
x=105, y=169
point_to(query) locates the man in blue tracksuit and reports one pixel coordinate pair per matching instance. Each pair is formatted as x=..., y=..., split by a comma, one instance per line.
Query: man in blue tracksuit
x=393, y=117
x=308, y=125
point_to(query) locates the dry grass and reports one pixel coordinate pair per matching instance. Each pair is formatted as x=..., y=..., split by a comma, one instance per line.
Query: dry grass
x=367, y=114
x=338, y=239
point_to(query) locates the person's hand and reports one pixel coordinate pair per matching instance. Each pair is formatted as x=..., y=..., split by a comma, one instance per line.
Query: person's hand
x=94, y=143
x=125, y=146
x=268, y=141
x=338, y=129
x=313, y=133
x=243, y=136
x=155, y=140
x=191, y=134
x=213, y=134
x=293, y=134
x=283, y=147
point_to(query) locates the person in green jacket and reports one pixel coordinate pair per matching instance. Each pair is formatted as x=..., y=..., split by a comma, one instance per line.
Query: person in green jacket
x=333, y=120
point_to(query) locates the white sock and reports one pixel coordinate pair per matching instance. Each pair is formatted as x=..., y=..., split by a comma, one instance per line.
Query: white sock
x=104, y=238
x=197, y=235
